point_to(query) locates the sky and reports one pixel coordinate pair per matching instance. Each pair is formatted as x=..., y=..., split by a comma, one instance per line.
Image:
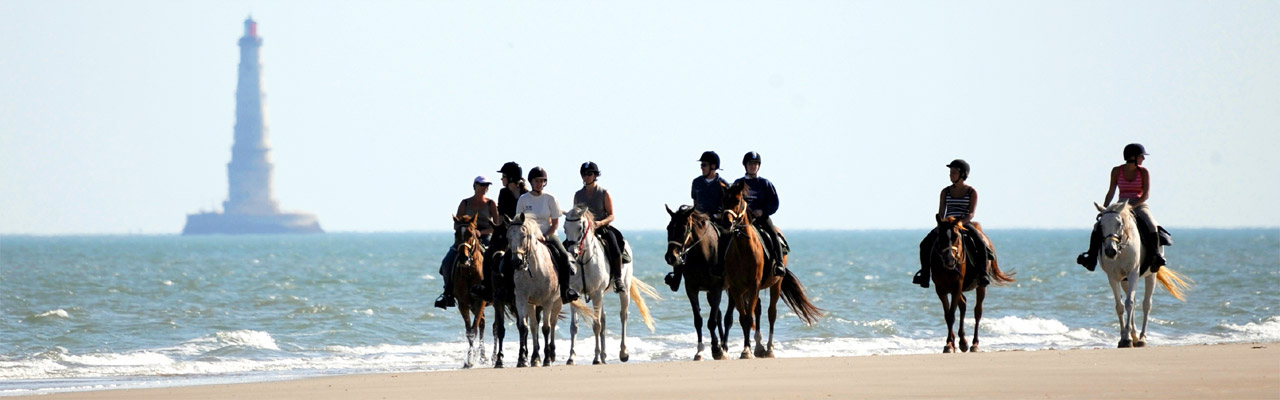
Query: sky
x=116, y=117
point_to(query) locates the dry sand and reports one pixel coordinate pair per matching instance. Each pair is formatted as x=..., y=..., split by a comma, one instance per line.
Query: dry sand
x=1250, y=371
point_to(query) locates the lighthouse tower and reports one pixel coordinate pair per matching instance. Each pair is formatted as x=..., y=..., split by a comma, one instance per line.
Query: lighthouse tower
x=249, y=207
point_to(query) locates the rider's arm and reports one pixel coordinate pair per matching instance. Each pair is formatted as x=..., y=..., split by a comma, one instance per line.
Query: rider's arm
x=973, y=205
x=608, y=209
x=1146, y=186
x=942, y=205
x=493, y=213
x=1111, y=189
x=770, y=206
x=555, y=223
x=462, y=208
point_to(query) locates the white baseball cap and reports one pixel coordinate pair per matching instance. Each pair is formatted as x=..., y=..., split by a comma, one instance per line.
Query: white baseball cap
x=482, y=180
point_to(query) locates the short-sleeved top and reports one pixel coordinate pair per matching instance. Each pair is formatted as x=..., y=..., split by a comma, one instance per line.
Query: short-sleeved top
x=760, y=195
x=594, y=202
x=707, y=194
x=1130, y=189
x=958, y=207
x=480, y=215
x=507, y=202
x=543, y=207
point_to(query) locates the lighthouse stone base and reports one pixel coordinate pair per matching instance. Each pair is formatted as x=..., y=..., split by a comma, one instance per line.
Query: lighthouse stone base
x=233, y=224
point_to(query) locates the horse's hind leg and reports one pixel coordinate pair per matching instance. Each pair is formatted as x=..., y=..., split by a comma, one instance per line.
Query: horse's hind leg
x=697, y=320
x=714, y=326
x=977, y=316
x=773, y=317
x=623, y=355
x=964, y=308
x=573, y=335
x=1141, y=340
x=759, y=349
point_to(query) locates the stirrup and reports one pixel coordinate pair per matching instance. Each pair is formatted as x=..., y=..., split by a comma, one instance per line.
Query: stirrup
x=617, y=286
x=672, y=280
x=569, y=295
x=920, y=279
x=445, y=301
x=1086, y=261
x=626, y=258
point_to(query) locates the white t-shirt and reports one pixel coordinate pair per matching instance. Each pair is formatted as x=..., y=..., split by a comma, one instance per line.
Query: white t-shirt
x=543, y=207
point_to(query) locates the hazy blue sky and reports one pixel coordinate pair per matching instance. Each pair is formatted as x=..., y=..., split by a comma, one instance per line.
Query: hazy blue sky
x=116, y=117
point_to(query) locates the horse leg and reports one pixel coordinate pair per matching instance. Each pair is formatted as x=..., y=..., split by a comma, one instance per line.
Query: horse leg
x=773, y=316
x=480, y=332
x=1127, y=334
x=746, y=307
x=625, y=311
x=597, y=328
x=523, y=313
x=499, y=333
x=697, y=319
x=1141, y=340
x=573, y=335
x=535, y=359
x=1118, y=293
x=549, y=334
x=964, y=309
x=465, y=311
x=949, y=314
x=727, y=325
x=759, y=351
x=977, y=317
x=714, y=328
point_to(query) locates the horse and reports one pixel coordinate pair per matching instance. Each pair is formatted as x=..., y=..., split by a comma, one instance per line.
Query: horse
x=1122, y=259
x=592, y=282
x=467, y=272
x=745, y=276
x=537, y=292
x=494, y=258
x=952, y=277
x=693, y=244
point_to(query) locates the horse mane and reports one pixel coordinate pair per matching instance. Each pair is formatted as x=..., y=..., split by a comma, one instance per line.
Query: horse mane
x=580, y=211
x=687, y=211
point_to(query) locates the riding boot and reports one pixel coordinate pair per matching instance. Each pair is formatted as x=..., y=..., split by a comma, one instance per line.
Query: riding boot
x=1155, y=254
x=922, y=277
x=673, y=278
x=563, y=272
x=1089, y=259
x=613, y=250
x=779, y=268
x=446, y=299
x=446, y=272
x=615, y=272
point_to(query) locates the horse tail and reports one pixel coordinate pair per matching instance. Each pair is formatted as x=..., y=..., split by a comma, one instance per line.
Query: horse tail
x=584, y=309
x=793, y=295
x=997, y=276
x=1174, y=282
x=638, y=287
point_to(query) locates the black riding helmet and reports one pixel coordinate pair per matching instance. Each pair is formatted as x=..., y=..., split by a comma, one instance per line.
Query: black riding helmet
x=512, y=171
x=589, y=166
x=962, y=166
x=710, y=157
x=751, y=156
x=1134, y=150
x=537, y=172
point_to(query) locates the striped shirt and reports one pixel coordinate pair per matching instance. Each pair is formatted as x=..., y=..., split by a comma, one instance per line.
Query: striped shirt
x=956, y=206
x=1130, y=189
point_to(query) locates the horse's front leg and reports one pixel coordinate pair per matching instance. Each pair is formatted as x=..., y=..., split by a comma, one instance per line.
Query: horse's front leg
x=759, y=350
x=1118, y=293
x=949, y=314
x=624, y=311
x=773, y=316
x=573, y=335
x=977, y=316
x=726, y=325
x=714, y=327
x=480, y=332
x=697, y=319
x=964, y=308
x=1141, y=340
x=499, y=333
x=745, y=308
x=535, y=358
x=549, y=334
x=1127, y=331
x=523, y=313
x=470, y=328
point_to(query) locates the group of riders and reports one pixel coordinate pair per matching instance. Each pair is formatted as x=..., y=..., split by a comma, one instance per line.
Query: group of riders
x=957, y=200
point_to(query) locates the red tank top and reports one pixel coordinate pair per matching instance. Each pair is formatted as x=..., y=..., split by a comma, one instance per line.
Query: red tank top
x=1130, y=189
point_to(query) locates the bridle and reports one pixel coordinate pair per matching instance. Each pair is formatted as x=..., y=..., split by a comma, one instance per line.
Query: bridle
x=685, y=246
x=1121, y=238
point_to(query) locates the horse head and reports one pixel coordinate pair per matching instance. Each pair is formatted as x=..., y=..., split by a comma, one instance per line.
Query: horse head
x=950, y=246
x=523, y=233
x=578, y=223
x=466, y=239
x=679, y=234
x=735, y=208
x=1114, y=223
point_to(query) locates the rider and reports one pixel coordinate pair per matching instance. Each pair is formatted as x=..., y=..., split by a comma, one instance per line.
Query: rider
x=598, y=201
x=961, y=201
x=762, y=201
x=513, y=186
x=707, y=191
x=483, y=211
x=543, y=208
x=1134, y=183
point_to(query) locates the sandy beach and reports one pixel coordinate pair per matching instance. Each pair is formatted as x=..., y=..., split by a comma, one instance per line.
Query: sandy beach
x=1249, y=371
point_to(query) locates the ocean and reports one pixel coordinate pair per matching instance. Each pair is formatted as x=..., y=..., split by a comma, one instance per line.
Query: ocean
x=111, y=312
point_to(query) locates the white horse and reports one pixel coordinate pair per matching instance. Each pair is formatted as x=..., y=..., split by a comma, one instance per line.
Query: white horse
x=536, y=289
x=1121, y=260
x=592, y=282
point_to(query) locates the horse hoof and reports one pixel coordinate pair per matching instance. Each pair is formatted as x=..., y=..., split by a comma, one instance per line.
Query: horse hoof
x=746, y=355
x=546, y=363
x=717, y=353
x=1140, y=343
x=697, y=357
x=973, y=349
x=466, y=366
x=964, y=347
x=768, y=354
x=498, y=365
x=596, y=362
x=569, y=362
x=623, y=356
x=533, y=363
x=946, y=349
x=522, y=364
x=1124, y=344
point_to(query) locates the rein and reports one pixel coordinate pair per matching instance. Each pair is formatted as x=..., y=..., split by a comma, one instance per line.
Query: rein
x=685, y=246
x=1121, y=238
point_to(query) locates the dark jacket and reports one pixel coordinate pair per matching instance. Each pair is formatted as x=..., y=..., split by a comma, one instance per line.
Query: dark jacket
x=760, y=195
x=507, y=202
x=707, y=195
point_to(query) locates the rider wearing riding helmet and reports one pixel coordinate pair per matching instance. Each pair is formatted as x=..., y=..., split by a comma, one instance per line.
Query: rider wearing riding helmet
x=496, y=276
x=762, y=202
x=513, y=186
x=598, y=201
x=482, y=211
x=544, y=209
x=1134, y=184
x=707, y=191
x=961, y=201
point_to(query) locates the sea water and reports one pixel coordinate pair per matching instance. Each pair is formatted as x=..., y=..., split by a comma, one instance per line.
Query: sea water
x=103, y=312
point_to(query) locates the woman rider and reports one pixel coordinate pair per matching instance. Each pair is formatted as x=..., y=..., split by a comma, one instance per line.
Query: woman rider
x=542, y=207
x=483, y=211
x=961, y=201
x=706, y=191
x=598, y=201
x=1134, y=183
x=495, y=277
x=762, y=201
x=513, y=186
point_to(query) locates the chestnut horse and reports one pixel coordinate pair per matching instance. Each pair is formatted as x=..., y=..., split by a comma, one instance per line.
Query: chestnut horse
x=952, y=276
x=467, y=272
x=745, y=276
x=693, y=247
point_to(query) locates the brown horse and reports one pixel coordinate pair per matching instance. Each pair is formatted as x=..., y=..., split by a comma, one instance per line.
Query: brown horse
x=693, y=249
x=467, y=272
x=745, y=276
x=952, y=276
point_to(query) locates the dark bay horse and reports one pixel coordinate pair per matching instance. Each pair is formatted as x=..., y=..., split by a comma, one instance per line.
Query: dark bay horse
x=953, y=275
x=467, y=272
x=502, y=286
x=693, y=248
x=745, y=276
